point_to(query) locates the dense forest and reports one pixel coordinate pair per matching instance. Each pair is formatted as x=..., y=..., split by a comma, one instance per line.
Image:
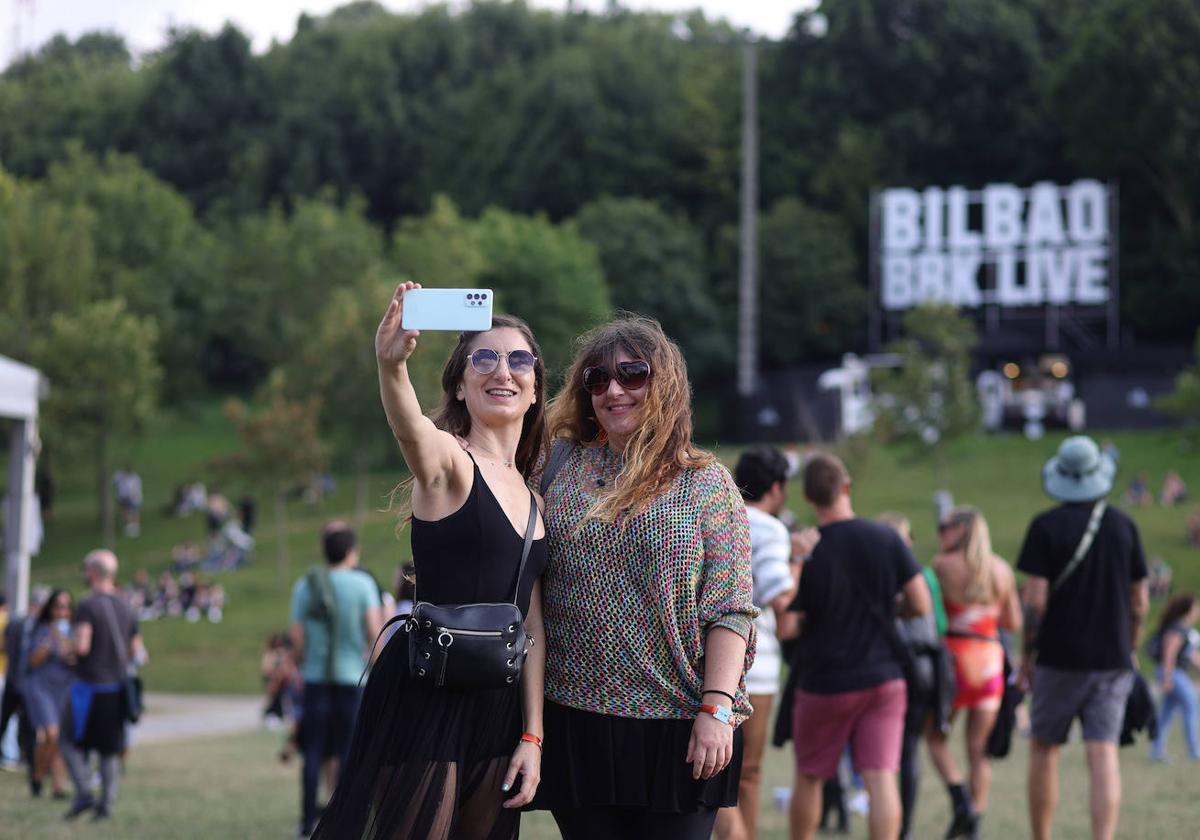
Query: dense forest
x=244, y=212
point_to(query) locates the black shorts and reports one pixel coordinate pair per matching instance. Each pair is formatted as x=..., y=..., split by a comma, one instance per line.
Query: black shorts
x=104, y=731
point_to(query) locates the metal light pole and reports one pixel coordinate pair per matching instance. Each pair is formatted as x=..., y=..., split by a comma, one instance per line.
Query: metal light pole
x=747, y=376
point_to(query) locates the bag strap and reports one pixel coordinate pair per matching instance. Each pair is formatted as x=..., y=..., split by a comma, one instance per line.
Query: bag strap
x=111, y=615
x=1084, y=544
x=560, y=451
x=529, y=529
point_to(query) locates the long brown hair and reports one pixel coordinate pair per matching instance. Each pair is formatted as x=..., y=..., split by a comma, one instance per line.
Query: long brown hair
x=662, y=445
x=1176, y=609
x=452, y=416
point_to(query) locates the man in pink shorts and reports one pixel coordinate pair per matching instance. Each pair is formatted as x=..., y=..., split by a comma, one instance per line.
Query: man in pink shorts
x=849, y=683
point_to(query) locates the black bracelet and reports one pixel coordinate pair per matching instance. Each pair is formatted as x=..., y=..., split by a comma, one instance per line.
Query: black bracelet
x=718, y=691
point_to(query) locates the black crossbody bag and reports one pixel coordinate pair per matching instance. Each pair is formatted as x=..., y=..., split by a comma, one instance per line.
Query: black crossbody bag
x=471, y=646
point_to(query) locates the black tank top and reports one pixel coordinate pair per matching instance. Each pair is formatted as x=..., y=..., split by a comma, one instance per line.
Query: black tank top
x=472, y=555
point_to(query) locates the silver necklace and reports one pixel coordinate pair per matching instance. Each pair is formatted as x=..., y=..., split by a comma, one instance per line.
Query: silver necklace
x=494, y=457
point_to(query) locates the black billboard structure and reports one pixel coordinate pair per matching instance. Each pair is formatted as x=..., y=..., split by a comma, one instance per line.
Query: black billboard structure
x=1037, y=265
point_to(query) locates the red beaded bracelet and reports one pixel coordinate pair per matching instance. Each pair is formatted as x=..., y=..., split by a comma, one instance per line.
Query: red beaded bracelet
x=533, y=739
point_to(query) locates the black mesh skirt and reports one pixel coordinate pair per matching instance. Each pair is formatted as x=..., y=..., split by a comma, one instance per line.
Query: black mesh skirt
x=594, y=760
x=425, y=762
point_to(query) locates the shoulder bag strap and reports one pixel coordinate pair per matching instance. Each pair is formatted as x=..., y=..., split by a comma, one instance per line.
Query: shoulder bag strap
x=122, y=654
x=1084, y=544
x=529, y=529
x=560, y=451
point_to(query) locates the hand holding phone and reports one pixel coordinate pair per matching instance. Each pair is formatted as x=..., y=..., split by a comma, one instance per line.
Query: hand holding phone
x=457, y=310
x=393, y=343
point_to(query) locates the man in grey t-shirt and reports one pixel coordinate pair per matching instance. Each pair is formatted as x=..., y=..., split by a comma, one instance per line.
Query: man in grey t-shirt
x=106, y=638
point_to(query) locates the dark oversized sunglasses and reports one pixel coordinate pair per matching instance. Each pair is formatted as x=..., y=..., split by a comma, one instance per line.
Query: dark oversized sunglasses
x=485, y=360
x=630, y=375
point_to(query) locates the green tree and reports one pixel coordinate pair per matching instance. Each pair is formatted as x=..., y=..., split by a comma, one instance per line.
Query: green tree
x=654, y=265
x=336, y=364
x=84, y=91
x=276, y=277
x=104, y=382
x=928, y=399
x=1184, y=401
x=148, y=249
x=201, y=122
x=1124, y=89
x=440, y=248
x=280, y=448
x=47, y=262
x=812, y=304
x=547, y=274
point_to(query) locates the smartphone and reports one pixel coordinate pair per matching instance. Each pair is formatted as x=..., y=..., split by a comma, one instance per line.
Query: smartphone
x=461, y=310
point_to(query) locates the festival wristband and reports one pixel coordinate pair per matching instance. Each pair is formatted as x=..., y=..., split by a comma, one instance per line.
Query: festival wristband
x=533, y=739
x=721, y=713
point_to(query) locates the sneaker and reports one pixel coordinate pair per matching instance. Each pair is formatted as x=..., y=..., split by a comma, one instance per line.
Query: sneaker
x=78, y=807
x=859, y=803
x=102, y=813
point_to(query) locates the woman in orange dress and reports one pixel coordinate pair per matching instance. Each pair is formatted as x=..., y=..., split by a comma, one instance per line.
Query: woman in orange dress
x=979, y=591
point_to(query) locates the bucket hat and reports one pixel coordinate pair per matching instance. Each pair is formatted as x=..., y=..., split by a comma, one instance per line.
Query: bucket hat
x=1080, y=472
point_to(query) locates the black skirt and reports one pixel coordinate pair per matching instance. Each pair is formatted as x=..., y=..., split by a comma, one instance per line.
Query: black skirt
x=593, y=760
x=425, y=763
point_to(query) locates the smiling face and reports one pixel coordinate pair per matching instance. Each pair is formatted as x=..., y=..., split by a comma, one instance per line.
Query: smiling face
x=500, y=396
x=619, y=411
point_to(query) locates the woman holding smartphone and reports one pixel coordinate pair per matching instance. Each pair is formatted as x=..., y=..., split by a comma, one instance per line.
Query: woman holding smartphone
x=47, y=687
x=650, y=623
x=435, y=761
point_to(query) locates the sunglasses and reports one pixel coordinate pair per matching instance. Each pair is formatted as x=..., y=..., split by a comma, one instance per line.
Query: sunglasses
x=485, y=360
x=630, y=375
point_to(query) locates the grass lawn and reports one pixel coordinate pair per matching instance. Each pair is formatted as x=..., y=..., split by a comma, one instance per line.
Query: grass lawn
x=234, y=788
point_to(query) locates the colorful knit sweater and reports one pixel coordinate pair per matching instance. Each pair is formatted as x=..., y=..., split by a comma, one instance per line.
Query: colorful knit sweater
x=627, y=609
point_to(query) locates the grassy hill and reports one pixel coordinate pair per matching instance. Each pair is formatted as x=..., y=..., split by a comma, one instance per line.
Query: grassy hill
x=1000, y=475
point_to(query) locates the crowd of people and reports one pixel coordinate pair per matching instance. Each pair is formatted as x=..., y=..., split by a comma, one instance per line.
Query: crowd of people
x=70, y=688
x=598, y=614
x=658, y=597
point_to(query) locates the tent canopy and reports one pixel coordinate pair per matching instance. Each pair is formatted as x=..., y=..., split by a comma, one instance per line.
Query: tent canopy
x=20, y=389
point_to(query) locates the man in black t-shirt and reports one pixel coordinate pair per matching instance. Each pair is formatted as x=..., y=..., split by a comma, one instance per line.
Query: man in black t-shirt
x=1086, y=597
x=849, y=682
x=105, y=638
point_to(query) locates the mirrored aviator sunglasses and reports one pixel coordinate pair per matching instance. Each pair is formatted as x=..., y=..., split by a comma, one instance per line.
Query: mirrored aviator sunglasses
x=485, y=360
x=630, y=375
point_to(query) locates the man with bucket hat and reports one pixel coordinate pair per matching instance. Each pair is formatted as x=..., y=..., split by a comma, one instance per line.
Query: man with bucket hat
x=1086, y=596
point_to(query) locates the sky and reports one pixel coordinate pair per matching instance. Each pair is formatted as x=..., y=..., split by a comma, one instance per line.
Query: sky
x=27, y=24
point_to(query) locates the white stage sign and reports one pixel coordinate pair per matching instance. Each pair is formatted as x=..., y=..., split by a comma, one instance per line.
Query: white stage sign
x=1003, y=245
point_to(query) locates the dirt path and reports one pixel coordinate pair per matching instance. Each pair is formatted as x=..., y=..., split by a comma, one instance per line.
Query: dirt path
x=176, y=717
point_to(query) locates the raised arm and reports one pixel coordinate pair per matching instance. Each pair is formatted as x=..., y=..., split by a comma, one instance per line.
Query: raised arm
x=428, y=451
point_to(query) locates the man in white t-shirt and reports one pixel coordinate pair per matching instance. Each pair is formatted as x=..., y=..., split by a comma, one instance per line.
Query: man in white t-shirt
x=761, y=474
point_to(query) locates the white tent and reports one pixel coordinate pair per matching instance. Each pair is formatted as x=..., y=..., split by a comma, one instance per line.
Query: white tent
x=21, y=387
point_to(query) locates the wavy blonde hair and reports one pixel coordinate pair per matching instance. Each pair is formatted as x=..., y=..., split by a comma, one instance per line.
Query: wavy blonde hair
x=662, y=445
x=976, y=547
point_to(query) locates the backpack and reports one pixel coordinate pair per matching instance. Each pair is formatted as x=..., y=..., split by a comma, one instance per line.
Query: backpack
x=1154, y=647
